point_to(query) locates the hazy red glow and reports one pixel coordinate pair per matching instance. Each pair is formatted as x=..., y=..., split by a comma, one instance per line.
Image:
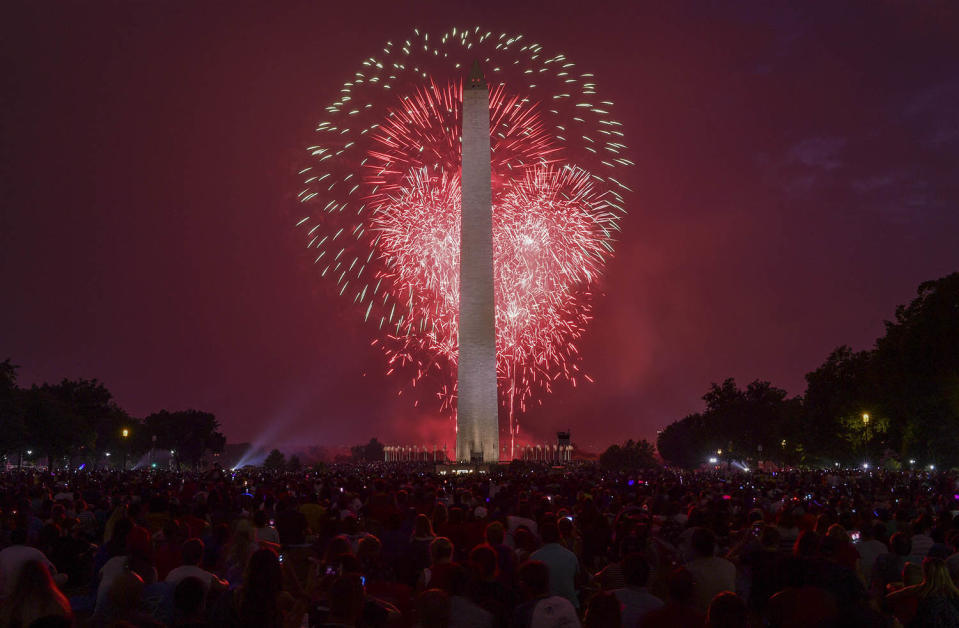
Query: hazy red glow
x=795, y=181
x=383, y=195
x=549, y=241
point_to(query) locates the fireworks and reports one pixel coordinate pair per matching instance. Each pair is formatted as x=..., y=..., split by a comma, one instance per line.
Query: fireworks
x=384, y=190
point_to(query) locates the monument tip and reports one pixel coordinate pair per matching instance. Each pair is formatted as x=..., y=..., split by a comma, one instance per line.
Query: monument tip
x=476, y=76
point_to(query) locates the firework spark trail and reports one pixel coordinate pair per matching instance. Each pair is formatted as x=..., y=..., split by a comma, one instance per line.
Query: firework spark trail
x=384, y=188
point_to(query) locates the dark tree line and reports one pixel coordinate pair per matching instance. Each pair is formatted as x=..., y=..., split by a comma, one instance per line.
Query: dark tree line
x=79, y=421
x=892, y=404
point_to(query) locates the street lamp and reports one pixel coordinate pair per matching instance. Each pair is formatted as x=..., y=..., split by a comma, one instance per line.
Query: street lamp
x=865, y=418
x=125, y=434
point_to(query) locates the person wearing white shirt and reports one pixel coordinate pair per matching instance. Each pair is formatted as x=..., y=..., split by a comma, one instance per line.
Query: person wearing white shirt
x=192, y=554
x=14, y=557
x=635, y=600
x=711, y=574
x=264, y=530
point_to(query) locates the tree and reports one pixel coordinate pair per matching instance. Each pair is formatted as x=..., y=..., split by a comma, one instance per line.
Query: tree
x=838, y=393
x=293, y=464
x=370, y=452
x=191, y=433
x=759, y=422
x=631, y=456
x=275, y=461
x=53, y=429
x=13, y=435
x=684, y=443
x=917, y=373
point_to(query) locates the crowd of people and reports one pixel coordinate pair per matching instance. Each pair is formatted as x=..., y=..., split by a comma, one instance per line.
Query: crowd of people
x=519, y=546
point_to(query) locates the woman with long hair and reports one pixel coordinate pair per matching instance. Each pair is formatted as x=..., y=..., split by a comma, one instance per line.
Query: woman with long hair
x=35, y=596
x=419, y=548
x=934, y=602
x=260, y=602
x=938, y=596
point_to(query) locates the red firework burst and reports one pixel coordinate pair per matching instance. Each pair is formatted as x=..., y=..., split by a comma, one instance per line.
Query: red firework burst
x=381, y=203
x=549, y=240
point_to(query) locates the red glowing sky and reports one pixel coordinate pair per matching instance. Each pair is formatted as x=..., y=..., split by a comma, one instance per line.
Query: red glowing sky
x=798, y=176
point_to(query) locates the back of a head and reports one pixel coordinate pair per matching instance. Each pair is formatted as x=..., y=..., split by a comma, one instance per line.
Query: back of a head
x=495, y=533
x=263, y=575
x=441, y=549
x=770, y=537
x=703, y=542
x=807, y=545
x=533, y=575
x=336, y=546
x=603, y=612
x=549, y=532
x=635, y=570
x=192, y=551
x=837, y=531
x=33, y=582
x=369, y=548
x=188, y=596
x=458, y=581
x=484, y=561
x=126, y=591
x=727, y=610
x=900, y=544
x=679, y=583
x=346, y=598
x=433, y=606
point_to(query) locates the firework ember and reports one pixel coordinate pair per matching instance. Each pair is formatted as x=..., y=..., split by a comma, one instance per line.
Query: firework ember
x=385, y=186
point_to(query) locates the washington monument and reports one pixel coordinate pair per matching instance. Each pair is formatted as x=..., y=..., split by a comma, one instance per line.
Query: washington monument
x=477, y=419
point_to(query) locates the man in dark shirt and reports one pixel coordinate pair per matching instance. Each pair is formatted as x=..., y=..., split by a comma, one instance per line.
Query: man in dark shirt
x=291, y=524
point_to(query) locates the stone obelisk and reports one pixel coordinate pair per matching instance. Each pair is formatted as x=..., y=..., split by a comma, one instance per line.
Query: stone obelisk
x=477, y=419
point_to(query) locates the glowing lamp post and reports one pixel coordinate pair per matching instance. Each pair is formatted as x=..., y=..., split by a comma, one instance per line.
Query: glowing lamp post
x=125, y=433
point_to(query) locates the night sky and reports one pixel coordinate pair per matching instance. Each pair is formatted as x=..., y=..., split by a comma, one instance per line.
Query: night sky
x=797, y=178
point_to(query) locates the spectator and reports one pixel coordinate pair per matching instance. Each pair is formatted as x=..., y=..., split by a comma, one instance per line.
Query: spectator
x=562, y=563
x=727, y=610
x=489, y=591
x=937, y=596
x=437, y=575
x=433, y=607
x=711, y=575
x=603, y=612
x=346, y=602
x=635, y=599
x=189, y=603
x=263, y=529
x=889, y=566
x=14, y=557
x=921, y=540
x=540, y=609
x=260, y=602
x=419, y=545
x=35, y=596
x=870, y=547
x=291, y=525
x=680, y=608
x=192, y=555
x=464, y=613
x=506, y=560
